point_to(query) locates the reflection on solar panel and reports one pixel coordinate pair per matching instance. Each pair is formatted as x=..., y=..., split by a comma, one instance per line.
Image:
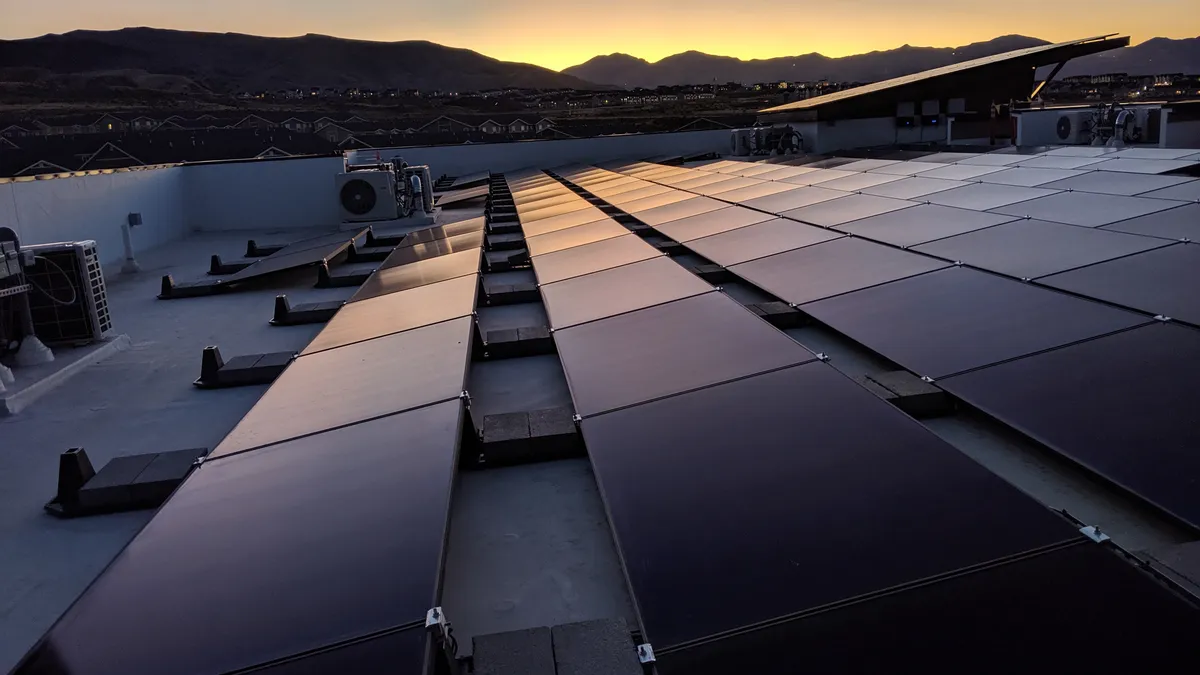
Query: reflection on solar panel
x=1027, y=177
x=793, y=199
x=832, y=268
x=919, y=224
x=588, y=258
x=574, y=236
x=847, y=209
x=1041, y=602
x=817, y=177
x=859, y=182
x=1187, y=192
x=913, y=188
x=679, y=210
x=357, y=382
x=651, y=353
x=982, y=197
x=293, y=526
x=807, y=488
x=405, y=255
x=758, y=241
x=1111, y=183
x=1145, y=165
x=954, y=320
x=959, y=171
x=994, y=159
x=429, y=271
x=695, y=227
x=1122, y=406
x=1079, y=208
x=1182, y=222
x=547, y=225
x=615, y=291
x=743, y=195
x=1028, y=249
x=1159, y=282
x=655, y=201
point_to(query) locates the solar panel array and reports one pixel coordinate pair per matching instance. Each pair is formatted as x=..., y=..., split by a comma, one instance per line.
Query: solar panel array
x=754, y=491
x=311, y=539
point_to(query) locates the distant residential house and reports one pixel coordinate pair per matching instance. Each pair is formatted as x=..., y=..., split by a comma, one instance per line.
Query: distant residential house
x=492, y=127
x=668, y=98
x=272, y=152
x=689, y=97
x=519, y=126
x=41, y=166
x=446, y=125
x=650, y=99
x=704, y=97
x=108, y=122
x=544, y=124
x=354, y=119
x=6, y=144
x=296, y=124
x=109, y=156
x=170, y=124
x=143, y=123
x=254, y=122
x=15, y=131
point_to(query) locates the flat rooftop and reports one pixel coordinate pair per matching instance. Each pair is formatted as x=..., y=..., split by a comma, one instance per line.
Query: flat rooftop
x=811, y=399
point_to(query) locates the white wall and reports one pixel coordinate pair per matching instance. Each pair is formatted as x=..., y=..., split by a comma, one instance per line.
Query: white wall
x=461, y=160
x=260, y=195
x=95, y=207
x=847, y=134
x=1183, y=134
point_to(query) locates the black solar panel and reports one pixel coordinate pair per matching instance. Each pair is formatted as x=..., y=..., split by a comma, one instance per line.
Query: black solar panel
x=983, y=197
x=572, y=219
x=432, y=249
x=1122, y=406
x=832, y=268
x=399, y=652
x=656, y=352
x=677, y=210
x=919, y=224
x=793, y=199
x=268, y=554
x=416, y=274
x=1074, y=610
x=1162, y=281
x=576, y=204
x=358, y=382
x=594, y=257
x=958, y=319
x=397, y=312
x=575, y=236
x=1084, y=208
x=787, y=491
x=847, y=209
x=1114, y=183
x=655, y=201
x=1028, y=249
x=1178, y=223
x=759, y=240
x=615, y=291
x=723, y=220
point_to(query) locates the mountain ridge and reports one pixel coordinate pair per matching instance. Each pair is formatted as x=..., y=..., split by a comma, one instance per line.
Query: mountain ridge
x=1154, y=56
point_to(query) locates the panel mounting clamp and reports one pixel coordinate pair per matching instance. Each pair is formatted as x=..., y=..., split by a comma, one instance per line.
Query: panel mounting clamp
x=822, y=356
x=1092, y=532
x=645, y=653
x=1163, y=318
x=927, y=379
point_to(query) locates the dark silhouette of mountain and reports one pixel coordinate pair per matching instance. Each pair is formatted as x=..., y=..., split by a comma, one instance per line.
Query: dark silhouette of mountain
x=227, y=62
x=1155, y=56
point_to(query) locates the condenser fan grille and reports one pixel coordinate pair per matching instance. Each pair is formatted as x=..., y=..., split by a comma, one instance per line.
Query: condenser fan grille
x=358, y=197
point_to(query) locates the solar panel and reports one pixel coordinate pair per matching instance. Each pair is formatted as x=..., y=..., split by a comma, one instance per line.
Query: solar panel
x=817, y=177
x=832, y=268
x=576, y=204
x=1028, y=249
x=615, y=291
x=357, y=382
x=912, y=188
x=1027, y=177
x=962, y=172
x=397, y=312
x=792, y=476
x=405, y=255
x=859, y=182
x=723, y=220
x=1112, y=183
x=416, y=274
x=655, y=201
x=274, y=553
x=922, y=223
x=868, y=164
x=781, y=172
x=634, y=195
x=906, y=169
x=1056, y=162
x=847, y=209
x=742, y=195
x=1186, y=192
x=1086, y=208
x=983, y=197
x=954, y=320
x=793, y=199
x=1144, y=165
x=574, y=236
x=1081, y=151
x=1121, y=406
x=458, y=196
x=588, y=258
x=543, y=197
x=548, y=225
x=1182, y=222
x=674, y=179
x=757, y=170
x=699, y=181
x=758, y=241
x=993, y=159
x=651, y=353
x=730, y=183
x=945, y=157
x=732, y=167
x=442, y=232
x=1160, y=282
x=678, y=210
x=633, y=186
x=1049, y=604
x=398, y=651
x=1154, y=153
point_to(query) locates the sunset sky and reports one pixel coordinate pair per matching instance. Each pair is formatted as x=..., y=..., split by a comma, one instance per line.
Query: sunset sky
x=561, y=34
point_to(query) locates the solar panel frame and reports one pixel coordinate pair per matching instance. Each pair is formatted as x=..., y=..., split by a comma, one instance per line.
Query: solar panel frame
x=793, y=199
x=906, y=169
x=921, y=224
x=1159, y=282
x=1184, y=192
x=655, y=201
x=429, y=271
x=838, y=212
x=1147, y=166
x=960, y=172
x=594, y=257
x=1086, y=209
x=832, y=268
x=913, y=188
x=1177, y=224
x=769, y=539
x=574, y=236
x=986, y=197
x=1120, y=406
x=575, y=218
x=693, y=206
x=1028, y=177
x=759, y=241
x=616, y=291
x=955, y=320
x=730, y=183
x=1112, y=183
x=745, y=194
x=713, y=222
x=692, y=184
x=860, y=182
x=817, y=177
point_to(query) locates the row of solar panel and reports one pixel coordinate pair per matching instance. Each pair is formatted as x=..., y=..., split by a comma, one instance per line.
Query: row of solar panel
x=312, y=537
x=731, y=462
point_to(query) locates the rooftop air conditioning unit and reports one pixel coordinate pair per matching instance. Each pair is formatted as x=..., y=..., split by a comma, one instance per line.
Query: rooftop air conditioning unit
x=1074, y=127
x=741, y=142
x=367, y=195
x=67, y=301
